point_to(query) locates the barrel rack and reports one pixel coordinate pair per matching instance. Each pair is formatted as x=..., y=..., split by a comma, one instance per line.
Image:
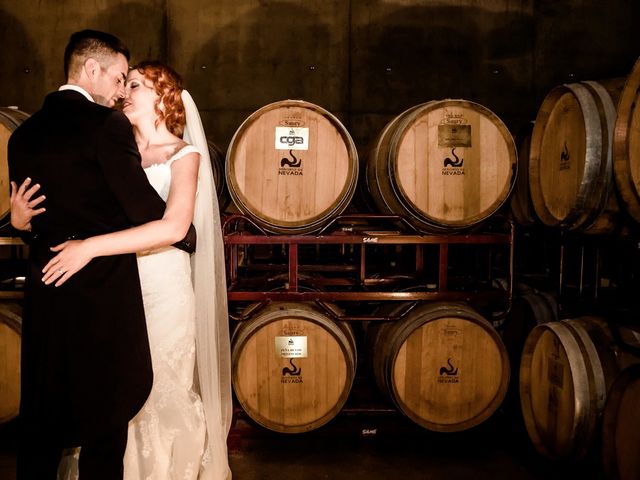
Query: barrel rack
x=361, y=232
x=354, y=285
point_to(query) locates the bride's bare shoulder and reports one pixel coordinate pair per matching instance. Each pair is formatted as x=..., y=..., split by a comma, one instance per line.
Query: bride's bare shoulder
x=176, y=147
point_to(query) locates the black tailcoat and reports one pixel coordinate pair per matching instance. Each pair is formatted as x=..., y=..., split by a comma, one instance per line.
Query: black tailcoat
x=86, y=365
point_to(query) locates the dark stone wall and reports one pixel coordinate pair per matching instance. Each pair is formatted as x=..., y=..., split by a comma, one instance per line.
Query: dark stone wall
x=364, y=60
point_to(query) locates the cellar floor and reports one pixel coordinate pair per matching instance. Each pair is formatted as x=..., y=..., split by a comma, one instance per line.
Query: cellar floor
x=355, y=446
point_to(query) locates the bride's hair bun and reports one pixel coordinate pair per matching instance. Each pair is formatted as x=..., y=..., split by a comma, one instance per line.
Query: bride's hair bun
x=168, y=85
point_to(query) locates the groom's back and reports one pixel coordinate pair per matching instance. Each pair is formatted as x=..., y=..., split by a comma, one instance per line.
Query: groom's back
x=65, y=147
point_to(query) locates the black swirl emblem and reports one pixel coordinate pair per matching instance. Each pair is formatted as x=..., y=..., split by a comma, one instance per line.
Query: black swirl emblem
x=295, y=163
x=450, y=370
x=294, y=371
x=453, y=163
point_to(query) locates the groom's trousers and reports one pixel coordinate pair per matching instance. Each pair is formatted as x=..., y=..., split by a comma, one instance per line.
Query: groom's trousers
x=101, y=458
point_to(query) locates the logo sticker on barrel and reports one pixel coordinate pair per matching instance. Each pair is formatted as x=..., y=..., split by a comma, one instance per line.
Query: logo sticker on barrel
x=454, y=132
x=291, y=347
x=292, y=138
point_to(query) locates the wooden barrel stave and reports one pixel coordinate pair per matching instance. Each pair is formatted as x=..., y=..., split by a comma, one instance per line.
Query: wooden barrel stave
x=376, y=174
x=621, y=427
x=626, y=144
x=442, y=364
x=10, y=119
x=10, y=340
x=292, y=396
x=604, y=216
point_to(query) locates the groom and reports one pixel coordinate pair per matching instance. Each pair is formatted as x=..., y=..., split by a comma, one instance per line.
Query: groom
x=86, y=366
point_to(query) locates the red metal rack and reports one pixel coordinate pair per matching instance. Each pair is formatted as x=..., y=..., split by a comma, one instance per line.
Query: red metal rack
x=361, y=232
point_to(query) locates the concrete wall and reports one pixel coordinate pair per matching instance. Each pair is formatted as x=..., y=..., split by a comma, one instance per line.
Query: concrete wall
x=364, y=60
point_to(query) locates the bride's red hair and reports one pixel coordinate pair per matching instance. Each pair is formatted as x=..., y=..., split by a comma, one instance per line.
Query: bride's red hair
x=168, y=86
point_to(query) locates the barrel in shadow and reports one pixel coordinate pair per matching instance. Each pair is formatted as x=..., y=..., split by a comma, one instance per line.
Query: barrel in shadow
x=530, y=307
x=626, y=144
x=10, y=119
x=217, y=168
x=571, y=157
x=444, y=165
x=621, y=427
x=521, y=205
x=291, y=167
x=10, y=338
x=566, y=370
x=442, y=364
x=292, y=366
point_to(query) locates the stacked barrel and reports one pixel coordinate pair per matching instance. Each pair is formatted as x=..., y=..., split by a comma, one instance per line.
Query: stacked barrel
x=579, y=375
x=10, y=309
x=443, y=166
x=10, y=337
x=10, y=119
x=581, y=159
x=291, y=167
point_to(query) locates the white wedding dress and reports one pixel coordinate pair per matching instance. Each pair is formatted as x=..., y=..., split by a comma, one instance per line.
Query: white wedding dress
x=166, y=440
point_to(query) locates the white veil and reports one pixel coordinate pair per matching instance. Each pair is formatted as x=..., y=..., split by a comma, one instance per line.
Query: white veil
x=213, y=352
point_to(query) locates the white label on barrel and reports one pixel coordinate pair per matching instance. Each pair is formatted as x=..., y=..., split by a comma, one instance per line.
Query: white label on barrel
x=291, y=347
x=292, y=138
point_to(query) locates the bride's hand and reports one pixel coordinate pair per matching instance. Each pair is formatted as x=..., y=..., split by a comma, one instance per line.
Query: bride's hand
x=72, y=257
x=22, y=206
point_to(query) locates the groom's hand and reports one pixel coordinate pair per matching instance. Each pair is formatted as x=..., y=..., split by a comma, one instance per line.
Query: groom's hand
x=188, y=243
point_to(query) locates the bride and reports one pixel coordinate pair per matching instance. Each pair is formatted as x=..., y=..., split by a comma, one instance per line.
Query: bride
x=181, y=431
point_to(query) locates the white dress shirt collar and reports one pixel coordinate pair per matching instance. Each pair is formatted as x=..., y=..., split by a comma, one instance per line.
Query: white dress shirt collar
x=77, y=89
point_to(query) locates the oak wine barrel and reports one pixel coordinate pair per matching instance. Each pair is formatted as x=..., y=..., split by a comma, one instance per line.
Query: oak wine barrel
x=10, y=339
x=626, y=144
x=292, y=366
x=521, y=205
x=621, y=427
x=10, y=119
x=571, y=157
x=291, y=167
x=444, y=165
x=217, y=168
x=530, y=307
x=442, y=364
x=566, y=370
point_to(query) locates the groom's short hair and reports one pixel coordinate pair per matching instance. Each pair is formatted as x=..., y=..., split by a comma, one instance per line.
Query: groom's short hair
x=91, y=43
